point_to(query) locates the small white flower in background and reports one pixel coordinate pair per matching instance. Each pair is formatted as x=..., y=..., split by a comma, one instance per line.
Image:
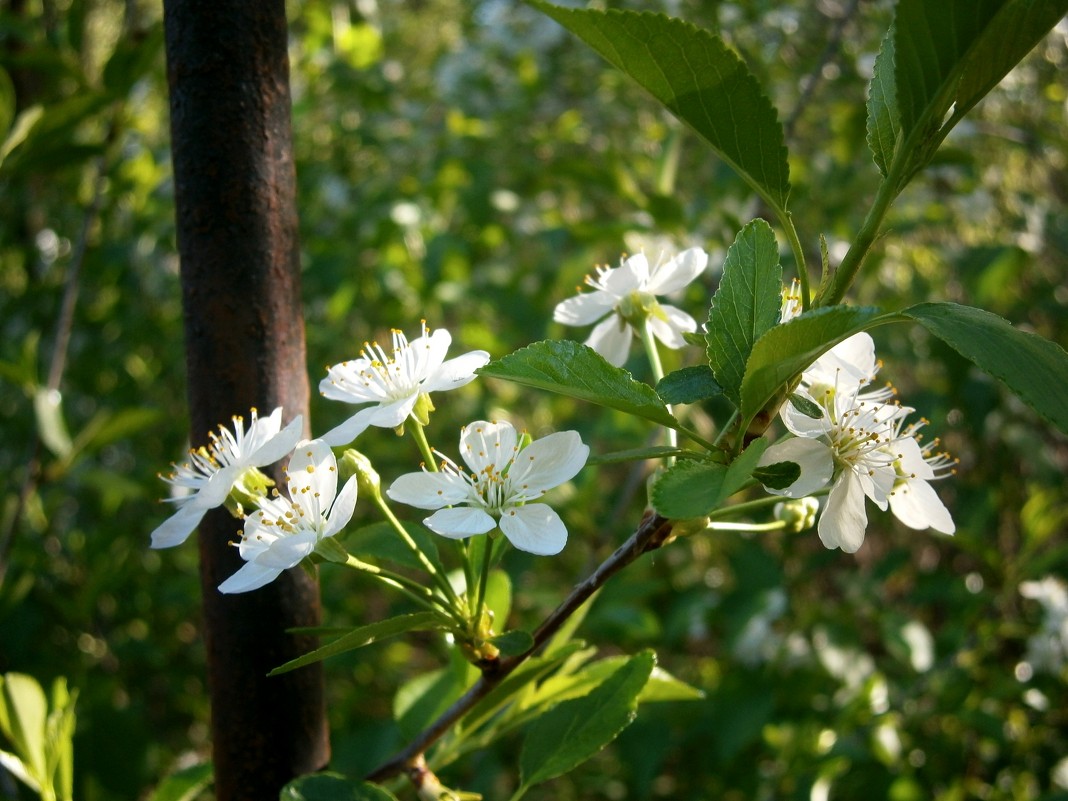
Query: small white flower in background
x=860, y=446
x=394, y=382
x=212, y=472
x=1047, y=649
x=505, y=477
x=628, y=292
x=283, y=531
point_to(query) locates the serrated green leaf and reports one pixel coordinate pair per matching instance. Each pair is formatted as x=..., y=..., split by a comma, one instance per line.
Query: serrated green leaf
x=1032, y=367
x=778, y=476
x=689, y=489
x=787, y=349
x=949, y=54
x=577, y=371
x=185, y=784
x=741, y=469
x=884, y=121
x=745, y=305
x=333, y=787
x=575, y=730
x=365, y=635
x=688, y=385
x=699, y=80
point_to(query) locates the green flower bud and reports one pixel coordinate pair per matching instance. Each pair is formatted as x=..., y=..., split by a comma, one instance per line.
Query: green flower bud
x=422, y=409
x=367, y=479
x=798, y=514
x=247, y=491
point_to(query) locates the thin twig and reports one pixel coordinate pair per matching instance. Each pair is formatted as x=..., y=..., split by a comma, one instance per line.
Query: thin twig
x=652, y=533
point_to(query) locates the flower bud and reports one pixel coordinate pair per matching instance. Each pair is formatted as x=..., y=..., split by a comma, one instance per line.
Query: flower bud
x=798, y=514
x=367, y=479
x=247, y=491
x=422, y=409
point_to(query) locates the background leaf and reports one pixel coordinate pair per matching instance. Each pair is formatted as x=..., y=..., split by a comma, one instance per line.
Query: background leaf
x=699, y=80
x=575, y=730
x=333, y=787
x=1032, y=367
x=745, y=306
x=884, y=120
x=365, y=635
x=572, y=369
x=185, y=784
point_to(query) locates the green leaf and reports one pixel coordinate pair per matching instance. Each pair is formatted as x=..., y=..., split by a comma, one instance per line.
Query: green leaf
x=365, y=635
x=422, y=700
x=884, y=122
x=7, y=103
x=639, y=454
x=333, y=787
x=689, y=489
x=662, y=686
x=380, y=541
x=1032, y=367
x=787, y=349
x=745, y=306
x=779, y=475
x=807, y=407
x=688, y=385
x=575, y=730
x=513, y=642
x=23, y=711
x=741, y=469
x=577, y=371
x=699, y=80
x=948, y=55
x=185, y=784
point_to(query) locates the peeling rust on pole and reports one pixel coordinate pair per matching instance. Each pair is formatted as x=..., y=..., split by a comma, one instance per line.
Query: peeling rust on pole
x=235, y=191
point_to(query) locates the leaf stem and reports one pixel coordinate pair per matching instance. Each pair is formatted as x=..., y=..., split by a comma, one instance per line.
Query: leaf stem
x=412, y=590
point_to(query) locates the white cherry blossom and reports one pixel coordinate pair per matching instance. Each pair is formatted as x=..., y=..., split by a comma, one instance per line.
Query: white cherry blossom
x=283, y=531
x=620, y=294
x=211, y=473
x=393, y=382
x=498, y=491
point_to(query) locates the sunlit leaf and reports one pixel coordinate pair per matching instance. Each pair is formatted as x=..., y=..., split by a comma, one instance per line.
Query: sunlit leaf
x=577, y=371
x=333, y=787
x=699, y=80
x=575, y=730
x=185, y=784
x=746, y=305
x=1032, y=367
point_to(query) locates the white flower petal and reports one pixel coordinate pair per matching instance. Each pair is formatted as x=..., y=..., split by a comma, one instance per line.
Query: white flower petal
x=312, y=476
x=279, y=444
x=251, y=576
x=611, y=338
x=456, y=372
x=844, y=520
x=917, y=505
x=176, y=529
x=425, y=354
x=341, y=512
x=425, y=490
x=668, y=325
x=459, y=522
x=488, y=445
x=677, y=272
x=344, y=383
x=288, y=550
x=548, y=462
x=534, y=528
x=800, y=424
x=813, y=457
x=585, y=308
x=632, y=274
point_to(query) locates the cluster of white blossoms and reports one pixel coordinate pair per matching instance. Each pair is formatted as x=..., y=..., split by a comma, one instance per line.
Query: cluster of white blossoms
x=284, y=529
x=860, y=445
x=626, y=295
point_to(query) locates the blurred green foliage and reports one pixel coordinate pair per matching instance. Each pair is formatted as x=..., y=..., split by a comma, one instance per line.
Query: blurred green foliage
x=468, y=163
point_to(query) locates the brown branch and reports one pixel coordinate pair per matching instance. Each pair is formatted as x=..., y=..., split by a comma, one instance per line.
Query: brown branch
x=653, y=532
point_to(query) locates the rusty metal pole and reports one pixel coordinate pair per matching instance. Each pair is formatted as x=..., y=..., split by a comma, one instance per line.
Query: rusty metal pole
x=235, y=192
